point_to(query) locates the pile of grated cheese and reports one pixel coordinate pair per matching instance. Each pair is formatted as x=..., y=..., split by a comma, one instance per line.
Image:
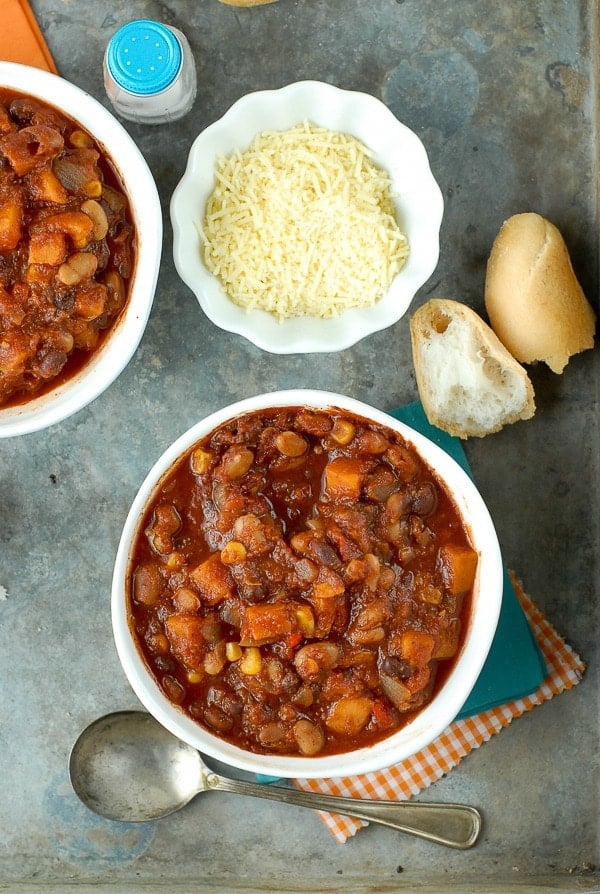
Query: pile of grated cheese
x=302, y=224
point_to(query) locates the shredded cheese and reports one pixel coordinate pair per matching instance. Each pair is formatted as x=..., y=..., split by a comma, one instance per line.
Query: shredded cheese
x=302, y=223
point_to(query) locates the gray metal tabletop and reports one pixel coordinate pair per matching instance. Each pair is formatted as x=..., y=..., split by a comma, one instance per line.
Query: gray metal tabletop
x=504, y=97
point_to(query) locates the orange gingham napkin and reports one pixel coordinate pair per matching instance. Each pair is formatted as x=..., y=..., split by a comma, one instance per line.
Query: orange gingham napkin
x=399, y=783
x=20, y=37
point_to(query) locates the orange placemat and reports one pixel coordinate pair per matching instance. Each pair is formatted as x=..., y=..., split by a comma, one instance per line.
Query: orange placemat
x=402, y=781
x=20, y=37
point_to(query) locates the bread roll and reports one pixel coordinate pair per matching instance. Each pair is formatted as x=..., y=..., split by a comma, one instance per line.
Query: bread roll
x=534, y=302
x=469, y=384
x=247, y=2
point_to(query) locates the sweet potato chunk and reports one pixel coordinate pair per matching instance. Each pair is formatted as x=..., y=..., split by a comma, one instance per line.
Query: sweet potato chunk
x=458, y=565
x=416, y=647
x=74, y=224
x=47, y=248
x=350, y=715
x=328, y=584
x=212, y=580
x=186, y=640
x=344, y=477
x=44, y=186
x=11, y=215
x=11, y=307
x=447, y=642
x=15, y=349
x=40, y=274
x=268, y=623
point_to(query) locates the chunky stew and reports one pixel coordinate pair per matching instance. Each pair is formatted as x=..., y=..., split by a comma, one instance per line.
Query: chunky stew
x=66, y=247
x=298, y=580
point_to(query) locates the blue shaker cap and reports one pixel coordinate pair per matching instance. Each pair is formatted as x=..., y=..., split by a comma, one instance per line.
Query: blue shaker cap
x=144, y=57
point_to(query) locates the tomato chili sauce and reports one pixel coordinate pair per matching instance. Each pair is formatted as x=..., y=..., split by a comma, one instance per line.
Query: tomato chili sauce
x=299, y=582
x=67, y=247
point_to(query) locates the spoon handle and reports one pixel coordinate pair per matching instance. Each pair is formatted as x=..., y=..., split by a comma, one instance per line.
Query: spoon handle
x=454, y=825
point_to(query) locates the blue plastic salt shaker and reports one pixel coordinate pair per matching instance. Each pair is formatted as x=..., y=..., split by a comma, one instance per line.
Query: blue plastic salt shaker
x=149, y=72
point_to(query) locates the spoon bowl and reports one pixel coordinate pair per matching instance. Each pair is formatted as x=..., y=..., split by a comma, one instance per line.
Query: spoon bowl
x=125, y=766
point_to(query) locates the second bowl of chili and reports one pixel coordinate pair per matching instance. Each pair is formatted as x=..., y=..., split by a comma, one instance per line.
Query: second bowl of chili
x=305, y=586
x=80, y=248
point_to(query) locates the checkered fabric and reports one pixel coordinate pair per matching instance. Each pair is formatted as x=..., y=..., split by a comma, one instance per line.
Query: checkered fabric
x=401, y=782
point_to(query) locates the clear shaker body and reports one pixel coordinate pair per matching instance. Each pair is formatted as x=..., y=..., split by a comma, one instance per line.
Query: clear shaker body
x=149, y=72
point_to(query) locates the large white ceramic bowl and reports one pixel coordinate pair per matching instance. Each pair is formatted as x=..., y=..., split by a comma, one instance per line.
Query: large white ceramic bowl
x=118, y=348
x=395, y=148
x=426, y=725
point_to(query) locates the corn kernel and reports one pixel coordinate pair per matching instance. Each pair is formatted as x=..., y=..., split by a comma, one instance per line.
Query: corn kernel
x=200, y=461
x=233, y=651
x=93, y=189
x=233, y=553
x=306, y=620
x=195, y=676
x=251, y=661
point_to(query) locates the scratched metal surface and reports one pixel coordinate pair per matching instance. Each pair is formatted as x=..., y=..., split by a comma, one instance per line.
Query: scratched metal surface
x=502, y=95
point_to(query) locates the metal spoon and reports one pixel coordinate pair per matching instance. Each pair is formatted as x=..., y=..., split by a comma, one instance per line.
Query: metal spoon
x=126, y=766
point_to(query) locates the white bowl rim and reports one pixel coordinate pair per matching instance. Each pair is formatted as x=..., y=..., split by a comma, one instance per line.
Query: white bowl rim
x=118, y=347
x=370, y=120
x=427, y=724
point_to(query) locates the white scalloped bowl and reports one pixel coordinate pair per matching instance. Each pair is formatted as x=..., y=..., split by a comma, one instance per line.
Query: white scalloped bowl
x=395, y=148
x=120, y=344
x=426, y=725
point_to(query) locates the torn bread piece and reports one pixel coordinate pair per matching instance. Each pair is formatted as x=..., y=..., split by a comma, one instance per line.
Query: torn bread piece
x=469, y=384
x=534, y=302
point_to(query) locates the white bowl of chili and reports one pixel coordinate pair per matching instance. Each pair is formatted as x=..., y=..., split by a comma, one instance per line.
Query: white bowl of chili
x=307, y=218
x=80, y=248
x=288, y=619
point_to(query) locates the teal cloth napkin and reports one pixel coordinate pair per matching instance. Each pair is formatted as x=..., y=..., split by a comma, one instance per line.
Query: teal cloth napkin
x=515, y=666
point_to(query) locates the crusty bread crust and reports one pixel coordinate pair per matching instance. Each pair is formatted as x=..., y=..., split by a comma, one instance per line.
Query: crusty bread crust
x=469, y=384
x=533, y=299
